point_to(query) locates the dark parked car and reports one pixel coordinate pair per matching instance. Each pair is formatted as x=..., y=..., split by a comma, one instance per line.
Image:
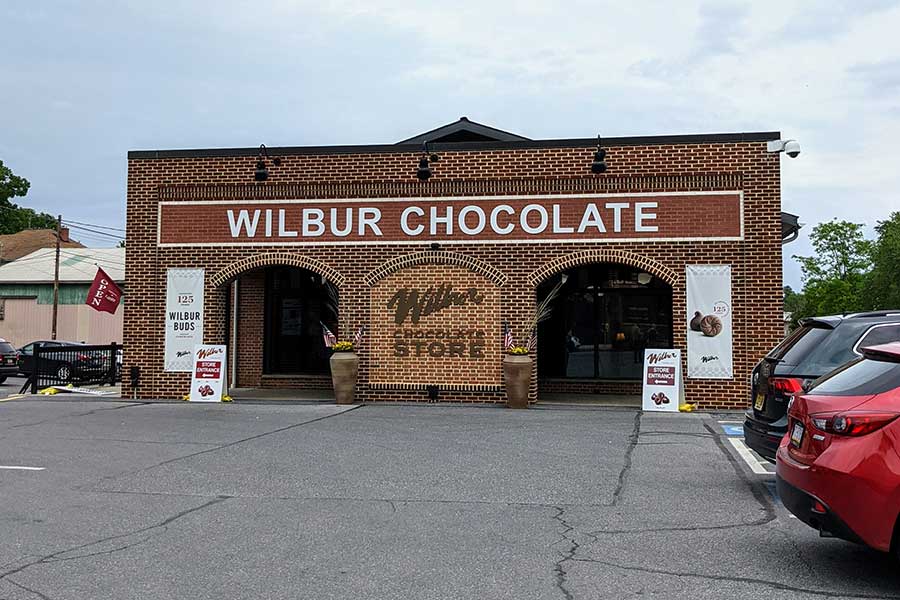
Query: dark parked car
x=68, y=366
x=818, y=346
x=8, y=364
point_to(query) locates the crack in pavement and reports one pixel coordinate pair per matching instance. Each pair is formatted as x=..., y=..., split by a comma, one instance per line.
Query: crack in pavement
x=757, y=523
x=735, y=579
x=214, y=449
x=241, y=441
x=76, y=415
x=29, y=590
x=558, y=569
x=58, y=555
x=626, y=466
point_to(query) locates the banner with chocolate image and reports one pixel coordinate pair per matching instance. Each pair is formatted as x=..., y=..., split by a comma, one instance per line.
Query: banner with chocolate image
x=709, y=324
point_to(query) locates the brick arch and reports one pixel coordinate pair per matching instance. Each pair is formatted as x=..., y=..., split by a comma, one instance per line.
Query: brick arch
x=603, y=255
x=438, y=257
x=277, y=258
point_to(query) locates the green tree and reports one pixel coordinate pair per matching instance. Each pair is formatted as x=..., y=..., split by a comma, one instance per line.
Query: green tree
x=795, y=304
x=14, y=218
x=835, y=279
x=883, y=287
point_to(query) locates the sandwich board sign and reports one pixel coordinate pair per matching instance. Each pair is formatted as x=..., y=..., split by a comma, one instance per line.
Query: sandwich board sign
x=663, y=387
x=208, y=374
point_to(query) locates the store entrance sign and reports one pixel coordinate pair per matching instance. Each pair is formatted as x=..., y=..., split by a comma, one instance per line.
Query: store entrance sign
x=663, y=386
x=208, y=374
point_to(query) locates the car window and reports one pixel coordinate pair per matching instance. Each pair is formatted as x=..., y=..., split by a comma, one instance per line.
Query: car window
x=796, y=348
x=28, y=349
x=879, y=334
x=6, y=348
x=861, y=377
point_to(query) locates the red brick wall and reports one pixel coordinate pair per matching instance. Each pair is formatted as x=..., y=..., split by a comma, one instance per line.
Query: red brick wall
x=251, y=316
x=746, y=166
x=430, y=356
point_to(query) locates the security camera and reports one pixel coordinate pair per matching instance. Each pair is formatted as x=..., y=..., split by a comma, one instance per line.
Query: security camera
x=792, y=148
x=789, y=147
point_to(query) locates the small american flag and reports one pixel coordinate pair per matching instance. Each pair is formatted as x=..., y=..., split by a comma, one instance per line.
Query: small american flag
x=507, y=337
x=532, y=341
x=328, y=337
x=357, y=337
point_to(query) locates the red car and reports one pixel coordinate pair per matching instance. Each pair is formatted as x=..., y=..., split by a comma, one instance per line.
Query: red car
x=838, y=467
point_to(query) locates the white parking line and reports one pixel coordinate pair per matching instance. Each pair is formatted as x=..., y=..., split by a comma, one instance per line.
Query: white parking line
x=14, y=468
x=748, y=458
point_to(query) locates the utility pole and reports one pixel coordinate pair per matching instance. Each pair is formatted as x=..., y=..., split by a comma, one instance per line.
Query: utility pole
x=56, y=277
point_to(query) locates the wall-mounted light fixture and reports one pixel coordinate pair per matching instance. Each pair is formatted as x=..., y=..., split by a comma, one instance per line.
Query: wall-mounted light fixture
x=424, y=171
x=262, y=172
x=599, y=164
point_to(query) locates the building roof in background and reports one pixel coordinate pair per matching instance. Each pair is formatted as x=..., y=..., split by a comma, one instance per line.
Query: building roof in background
x=76, y=265
x=464, y=130
x=16, y=245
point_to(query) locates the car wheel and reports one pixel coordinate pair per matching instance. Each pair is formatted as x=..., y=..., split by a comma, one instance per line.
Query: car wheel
x=64, y=372
x=2, y=379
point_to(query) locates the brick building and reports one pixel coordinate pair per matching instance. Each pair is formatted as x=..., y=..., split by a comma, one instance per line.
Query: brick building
x=349, y=236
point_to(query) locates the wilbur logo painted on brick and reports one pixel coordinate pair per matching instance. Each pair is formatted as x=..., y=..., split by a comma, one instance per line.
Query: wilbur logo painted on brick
x=414, y=303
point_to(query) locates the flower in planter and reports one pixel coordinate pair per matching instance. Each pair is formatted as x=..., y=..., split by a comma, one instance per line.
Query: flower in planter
x=342, y=347
x=517, y=350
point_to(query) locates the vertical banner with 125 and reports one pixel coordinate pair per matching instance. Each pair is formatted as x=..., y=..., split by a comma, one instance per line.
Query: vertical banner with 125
x=184, y=317
x=709, y=322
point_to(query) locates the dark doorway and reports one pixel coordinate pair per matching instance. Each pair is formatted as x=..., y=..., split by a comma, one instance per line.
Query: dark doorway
x=297, y=302
x=603, y=318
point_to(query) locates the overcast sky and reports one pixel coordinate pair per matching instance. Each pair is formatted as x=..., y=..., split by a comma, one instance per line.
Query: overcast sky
x=83, y=82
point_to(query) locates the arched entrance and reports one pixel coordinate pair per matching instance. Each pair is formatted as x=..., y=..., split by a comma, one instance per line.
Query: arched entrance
x=274, y=306
x=604, y=316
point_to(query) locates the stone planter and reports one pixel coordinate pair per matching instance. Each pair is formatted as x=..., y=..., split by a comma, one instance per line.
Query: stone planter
x=344, y=367
x=517, y=375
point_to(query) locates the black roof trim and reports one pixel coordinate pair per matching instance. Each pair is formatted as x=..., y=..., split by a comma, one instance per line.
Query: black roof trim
x=649, y=140
x=464, y=125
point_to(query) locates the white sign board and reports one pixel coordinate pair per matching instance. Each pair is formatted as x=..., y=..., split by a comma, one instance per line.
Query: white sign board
x=709, y=324
x=184, y=317
x=208, y=374
x=662, y=382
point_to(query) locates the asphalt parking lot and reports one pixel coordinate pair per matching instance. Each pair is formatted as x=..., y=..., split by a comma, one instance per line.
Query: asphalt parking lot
x=392, y=501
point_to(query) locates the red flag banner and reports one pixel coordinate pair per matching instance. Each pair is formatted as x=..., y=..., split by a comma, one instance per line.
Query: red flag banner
x=104, y=294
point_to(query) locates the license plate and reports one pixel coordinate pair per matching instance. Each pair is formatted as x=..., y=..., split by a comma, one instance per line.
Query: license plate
x=760, y=401
x=797, y=434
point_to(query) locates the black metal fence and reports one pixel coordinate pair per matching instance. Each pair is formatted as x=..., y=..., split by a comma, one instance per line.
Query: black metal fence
x=77, y=365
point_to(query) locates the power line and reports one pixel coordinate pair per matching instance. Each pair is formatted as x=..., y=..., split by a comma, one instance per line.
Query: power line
x=94, y=225
x=80, y=227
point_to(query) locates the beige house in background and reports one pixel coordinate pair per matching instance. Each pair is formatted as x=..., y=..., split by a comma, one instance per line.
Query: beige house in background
x=26, y=296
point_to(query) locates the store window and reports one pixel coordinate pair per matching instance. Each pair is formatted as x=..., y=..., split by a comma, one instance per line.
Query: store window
x=603, y=318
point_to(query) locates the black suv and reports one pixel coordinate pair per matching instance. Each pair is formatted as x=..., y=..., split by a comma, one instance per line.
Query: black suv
x=815, y=348
x=9, y=366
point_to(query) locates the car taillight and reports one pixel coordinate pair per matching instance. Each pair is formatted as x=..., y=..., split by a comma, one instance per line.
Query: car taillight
x=786, y=385
x=852, y=424
x=83, y=357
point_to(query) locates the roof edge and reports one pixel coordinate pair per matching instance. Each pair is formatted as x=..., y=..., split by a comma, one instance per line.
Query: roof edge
x=649, y=140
